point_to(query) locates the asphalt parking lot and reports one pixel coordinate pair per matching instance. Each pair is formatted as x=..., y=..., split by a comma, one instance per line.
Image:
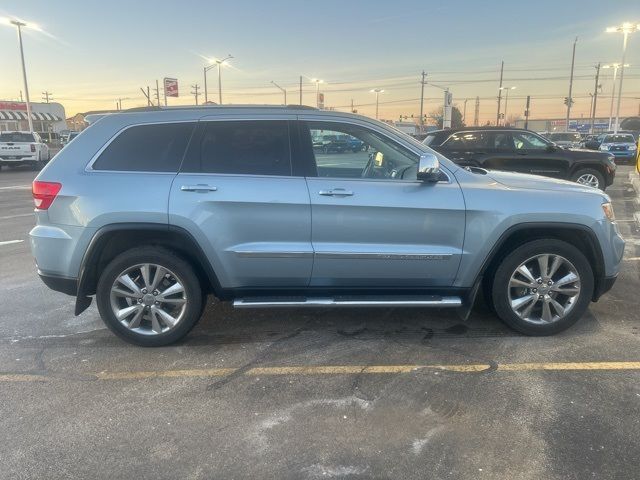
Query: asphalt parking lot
x=385, y=393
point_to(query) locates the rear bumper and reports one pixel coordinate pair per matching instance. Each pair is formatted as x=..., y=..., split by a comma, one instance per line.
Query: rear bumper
x=60, y=284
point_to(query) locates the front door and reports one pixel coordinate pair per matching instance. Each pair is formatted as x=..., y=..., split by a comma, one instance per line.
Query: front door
x=373, y=223
x=540, y=157
x=236, y=193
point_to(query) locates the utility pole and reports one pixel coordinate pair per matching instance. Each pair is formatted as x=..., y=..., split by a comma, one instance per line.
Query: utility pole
x=352, y=109
x=300, y=89
x=476, y=113
x=595, y=99
x=464, y=113
x=19, y=26
x=158, y=93
x=569, y=98
x=146, y=94
x=46, y=96
x=422, y=82
x=526, y=113
x=500, y=93
x=195, y=92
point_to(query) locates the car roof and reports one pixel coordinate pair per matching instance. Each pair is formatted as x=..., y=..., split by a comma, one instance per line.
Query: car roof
x=475, y=129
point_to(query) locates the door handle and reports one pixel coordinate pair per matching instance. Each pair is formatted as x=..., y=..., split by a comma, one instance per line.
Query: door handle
x=198, y=188
x=336, y=192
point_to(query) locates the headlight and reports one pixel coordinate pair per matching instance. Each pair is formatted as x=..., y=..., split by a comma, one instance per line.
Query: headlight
x=607, y=208
x=604, y=147
x=632, y=147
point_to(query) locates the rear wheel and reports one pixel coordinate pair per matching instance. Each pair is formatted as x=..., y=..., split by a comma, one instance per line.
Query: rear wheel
x=149, y=296
x=589, y=177
x=542, y=287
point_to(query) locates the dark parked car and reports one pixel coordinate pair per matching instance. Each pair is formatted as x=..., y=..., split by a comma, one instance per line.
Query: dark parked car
x=523, y=151
x=331, y=143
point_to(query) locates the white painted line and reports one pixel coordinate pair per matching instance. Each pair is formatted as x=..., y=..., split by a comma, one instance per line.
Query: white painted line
x=631, y=259
x=9, y=217
x=9, y=242
x=17, y=187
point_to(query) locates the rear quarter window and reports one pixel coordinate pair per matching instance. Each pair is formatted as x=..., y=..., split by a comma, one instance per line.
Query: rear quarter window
x=147, y=148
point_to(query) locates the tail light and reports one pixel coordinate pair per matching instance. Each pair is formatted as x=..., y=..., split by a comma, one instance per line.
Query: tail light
x=33, y=147
x=44, y=193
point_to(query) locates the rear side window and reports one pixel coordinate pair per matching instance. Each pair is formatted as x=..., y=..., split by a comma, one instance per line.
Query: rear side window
x=256, y=147
x=16, y=137
x=147, y=148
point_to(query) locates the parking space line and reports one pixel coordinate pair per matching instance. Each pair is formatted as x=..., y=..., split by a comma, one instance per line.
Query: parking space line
x=17, y=187
x=9, y=242
x=31, y=214
x=339, y=370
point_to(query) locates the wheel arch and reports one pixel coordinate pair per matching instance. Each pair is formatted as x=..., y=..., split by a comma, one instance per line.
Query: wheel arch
x=111, y=240
x=589, y=165
x=577, y=235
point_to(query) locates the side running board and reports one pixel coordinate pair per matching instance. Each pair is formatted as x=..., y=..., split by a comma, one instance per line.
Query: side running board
x=349, y=301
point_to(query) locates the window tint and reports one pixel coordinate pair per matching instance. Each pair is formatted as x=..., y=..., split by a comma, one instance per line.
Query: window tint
x=467, y=140
x=259, y=147
x=16, y=137
x=502, y=141
x=147, y=148
x=524, y=140
x=342, y=150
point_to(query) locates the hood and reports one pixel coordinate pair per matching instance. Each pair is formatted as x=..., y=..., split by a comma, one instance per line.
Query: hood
x=536, y=182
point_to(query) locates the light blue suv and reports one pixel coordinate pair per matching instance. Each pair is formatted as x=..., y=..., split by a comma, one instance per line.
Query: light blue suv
x=152, y=210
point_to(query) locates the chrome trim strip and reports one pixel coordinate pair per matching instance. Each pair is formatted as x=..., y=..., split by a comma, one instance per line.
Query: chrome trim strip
x=442, y=302
x=385, y=256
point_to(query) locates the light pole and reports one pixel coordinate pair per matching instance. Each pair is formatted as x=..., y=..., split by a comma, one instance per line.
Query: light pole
x=615, y=67
x=215, y=63
x=317, y=81
x=377, y=91
x=18, y=24
x=626, y=28
x=282, y=90
x=506, y=102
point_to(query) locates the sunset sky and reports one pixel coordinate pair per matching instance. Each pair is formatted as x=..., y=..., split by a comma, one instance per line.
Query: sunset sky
x=91, y=53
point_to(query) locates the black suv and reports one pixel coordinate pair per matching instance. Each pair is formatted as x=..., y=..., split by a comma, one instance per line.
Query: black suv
x=523, y=151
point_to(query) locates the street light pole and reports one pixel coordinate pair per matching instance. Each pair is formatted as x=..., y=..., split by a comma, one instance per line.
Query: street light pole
x=626, y=28
x=377, y=91
x=282, y=90
x=569, y=98
x=506, y=102
x=615, y=67
x=215, y=63
x=19, y=26
x=317, y=81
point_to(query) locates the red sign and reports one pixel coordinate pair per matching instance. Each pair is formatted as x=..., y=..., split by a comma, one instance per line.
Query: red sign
x=13, y=106
x=171, y=87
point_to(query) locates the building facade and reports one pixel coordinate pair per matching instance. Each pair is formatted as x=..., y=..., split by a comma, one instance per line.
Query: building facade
x=46, y=117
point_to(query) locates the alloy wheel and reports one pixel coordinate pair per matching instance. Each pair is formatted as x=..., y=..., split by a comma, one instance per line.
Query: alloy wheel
x=589, y=180
x=148, y=299
x=544, y=289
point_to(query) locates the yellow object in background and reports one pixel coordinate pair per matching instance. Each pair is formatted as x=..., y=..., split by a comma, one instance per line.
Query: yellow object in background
x=638, y=158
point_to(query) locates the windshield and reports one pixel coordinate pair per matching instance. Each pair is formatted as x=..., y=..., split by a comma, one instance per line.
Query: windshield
x=564, y=137
x=619, y=139
x=16, y=137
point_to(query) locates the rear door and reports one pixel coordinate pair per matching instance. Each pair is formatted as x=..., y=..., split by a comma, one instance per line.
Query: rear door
x=467, y=148
x=236, y=194
x=373, y=223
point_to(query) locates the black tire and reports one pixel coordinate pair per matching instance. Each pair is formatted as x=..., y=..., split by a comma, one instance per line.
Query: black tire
x=589, y=171
x=500, y=290
x=165, y=258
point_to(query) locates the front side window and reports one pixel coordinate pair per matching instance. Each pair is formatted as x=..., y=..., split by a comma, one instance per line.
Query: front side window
x=255, y=147
x=342, y=150
x=527, y=141
x=147, y=148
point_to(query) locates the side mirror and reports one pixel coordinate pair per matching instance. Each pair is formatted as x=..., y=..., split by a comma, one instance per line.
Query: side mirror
x=428, y=168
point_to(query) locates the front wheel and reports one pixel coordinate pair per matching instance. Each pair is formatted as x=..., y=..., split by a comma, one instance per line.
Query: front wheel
x=589, y=177
x=149, y=296
x=542, y=287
